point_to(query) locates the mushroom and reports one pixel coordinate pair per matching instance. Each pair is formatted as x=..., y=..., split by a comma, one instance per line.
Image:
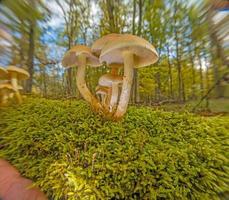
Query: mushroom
x=16, y=74
x=134, y=52
x=103, y=91
x=5, y=90
x=81, y=56
x=113, y=82
x=97, y=47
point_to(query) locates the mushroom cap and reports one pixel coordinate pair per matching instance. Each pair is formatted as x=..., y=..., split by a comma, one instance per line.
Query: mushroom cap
x=21, y=73
x=6, y=88
x=144, y=53
x=108, y=79
x=99, y=44
x=102, y=89
x=3, y=73
x=71, y=57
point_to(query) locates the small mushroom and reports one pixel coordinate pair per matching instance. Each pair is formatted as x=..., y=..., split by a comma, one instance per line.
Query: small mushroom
x=81, y=56
x=97, y=47
x=134, y=52
x=5, y=90
x=16, y=74
x=113, y=82
x=103, y=91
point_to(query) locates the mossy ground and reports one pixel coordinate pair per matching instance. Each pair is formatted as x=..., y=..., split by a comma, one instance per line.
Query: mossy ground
x=73, y=154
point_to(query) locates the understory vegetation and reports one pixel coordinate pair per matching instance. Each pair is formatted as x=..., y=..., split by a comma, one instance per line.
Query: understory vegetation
x=70, y=153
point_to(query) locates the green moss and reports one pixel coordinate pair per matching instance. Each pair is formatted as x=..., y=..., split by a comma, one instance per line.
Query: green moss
x=73, y=154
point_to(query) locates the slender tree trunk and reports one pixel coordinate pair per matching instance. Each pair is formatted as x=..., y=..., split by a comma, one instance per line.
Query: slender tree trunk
x=136, y=80
x=140, y=5
x=69, y=71
x=110, y=9
x=201, y=77
x=178, y=69
x=133, y=90
x=207, y=82
x=44, y=81
x=193, y=78
x=170, y=75
x=22, y=40
x=31, y=55
x=158, y=78
x=134, y=15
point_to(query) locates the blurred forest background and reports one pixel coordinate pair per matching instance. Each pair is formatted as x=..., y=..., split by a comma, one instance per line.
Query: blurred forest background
x=191, y=37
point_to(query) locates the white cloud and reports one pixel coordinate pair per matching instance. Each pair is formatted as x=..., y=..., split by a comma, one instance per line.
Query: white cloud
x=57, y=15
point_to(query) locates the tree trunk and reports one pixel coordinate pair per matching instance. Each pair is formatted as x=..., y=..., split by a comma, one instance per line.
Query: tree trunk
x=31, y=55
x=133, y=90
x=134, y=15
x=201, y=77
x=178, y=69
x=170, y=75
x=136, y=80
x=140, y=5
x=110, y=9
x=207, y=82
x=193, y=79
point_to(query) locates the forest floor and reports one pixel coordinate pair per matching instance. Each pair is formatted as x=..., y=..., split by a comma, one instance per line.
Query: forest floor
x=216, y=107
x=66, y=149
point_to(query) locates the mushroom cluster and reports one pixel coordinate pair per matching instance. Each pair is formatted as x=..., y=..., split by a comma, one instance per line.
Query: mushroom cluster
x=117, y=51
x=9, y=87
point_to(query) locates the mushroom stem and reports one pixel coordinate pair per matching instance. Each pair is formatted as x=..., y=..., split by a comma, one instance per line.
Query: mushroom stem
x=103, y=97
x=108, y=97
x=14, y=83
x=114, y=96
x=82, y=86
x=127, y=83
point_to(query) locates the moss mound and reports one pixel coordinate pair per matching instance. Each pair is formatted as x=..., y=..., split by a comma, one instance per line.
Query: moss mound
x=73, y=154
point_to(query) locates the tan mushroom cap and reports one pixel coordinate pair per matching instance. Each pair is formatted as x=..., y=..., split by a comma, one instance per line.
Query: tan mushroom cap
x=102, y=90
x=3, y=73
x=144, y=53
x=21, y=73
x=99, y=44
x=6, y=87
x=71, y=57
x=108, y=79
